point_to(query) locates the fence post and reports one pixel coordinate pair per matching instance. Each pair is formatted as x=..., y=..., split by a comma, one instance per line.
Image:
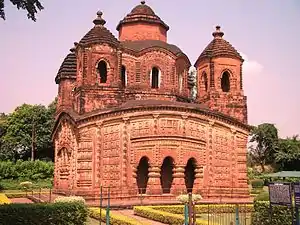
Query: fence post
x=190, y=208
x=237, y=220
x=194, y=214
x=100, y=204
x=50, y=195
x=186, y=215
x=108, y=208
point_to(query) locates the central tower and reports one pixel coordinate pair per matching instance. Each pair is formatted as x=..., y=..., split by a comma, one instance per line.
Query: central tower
x=142, y=24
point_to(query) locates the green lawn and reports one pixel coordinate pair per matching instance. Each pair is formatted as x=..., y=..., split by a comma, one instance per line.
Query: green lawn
x=15, y=184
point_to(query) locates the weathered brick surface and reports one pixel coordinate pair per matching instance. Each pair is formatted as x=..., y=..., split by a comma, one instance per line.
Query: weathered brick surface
x=138, y=32
x=104, y=130
x=232, y=103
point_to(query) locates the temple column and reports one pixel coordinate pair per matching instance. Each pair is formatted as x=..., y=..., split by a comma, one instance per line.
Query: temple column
x=154, y=185
x=198, y=183
x=178, y=185
x=134, y=189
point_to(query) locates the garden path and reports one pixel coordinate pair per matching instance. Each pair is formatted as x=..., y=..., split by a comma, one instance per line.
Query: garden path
x=129, y=213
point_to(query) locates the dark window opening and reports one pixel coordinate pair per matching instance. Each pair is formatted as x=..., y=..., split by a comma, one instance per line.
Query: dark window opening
x=143, y=175
x=155, y=78
x=205, y=82
x=190, y=172
x=102, y=69
x=166, y=173
x=123, y=76
x=225, y=82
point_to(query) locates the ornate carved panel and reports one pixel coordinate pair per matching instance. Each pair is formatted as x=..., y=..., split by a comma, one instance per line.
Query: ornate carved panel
x=170, y=126
x=141, y=128
x=195, y=129
x=111, y=154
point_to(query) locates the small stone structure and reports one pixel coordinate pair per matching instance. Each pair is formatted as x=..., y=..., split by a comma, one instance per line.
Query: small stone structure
x=131, y=116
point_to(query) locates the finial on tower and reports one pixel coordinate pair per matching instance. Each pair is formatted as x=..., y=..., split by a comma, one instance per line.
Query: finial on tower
x=99, y=20
x=218, y=33
x=143, y=2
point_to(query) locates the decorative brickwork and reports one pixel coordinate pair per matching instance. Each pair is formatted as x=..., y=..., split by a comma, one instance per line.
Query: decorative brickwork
x=126, y=119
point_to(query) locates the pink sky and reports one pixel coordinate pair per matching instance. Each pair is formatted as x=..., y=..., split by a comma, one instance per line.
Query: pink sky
x=265, y=32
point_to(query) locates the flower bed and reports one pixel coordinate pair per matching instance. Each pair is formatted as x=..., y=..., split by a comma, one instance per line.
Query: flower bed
x=4, y=199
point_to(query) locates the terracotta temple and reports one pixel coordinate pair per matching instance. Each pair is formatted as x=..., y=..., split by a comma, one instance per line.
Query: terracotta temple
x=134, y=115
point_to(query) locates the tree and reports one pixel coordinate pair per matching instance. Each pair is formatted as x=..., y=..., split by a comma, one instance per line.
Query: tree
x=287, y=155
x=25, y=121
x=265, y=137
x=31, y=6
x=3, y=127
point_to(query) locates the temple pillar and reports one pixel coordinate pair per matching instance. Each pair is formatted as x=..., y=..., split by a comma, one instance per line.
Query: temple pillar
x=198, y=183
x=154, y=184
x=178, y=186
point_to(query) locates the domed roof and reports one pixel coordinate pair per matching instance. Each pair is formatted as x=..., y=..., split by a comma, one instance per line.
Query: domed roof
x=142, y=9
x=99, y=34
x=142, y=13
x=68, y=68
x=219, y=47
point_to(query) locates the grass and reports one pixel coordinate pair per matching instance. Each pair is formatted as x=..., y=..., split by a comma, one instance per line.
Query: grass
x=226, y=218
x=7, y=184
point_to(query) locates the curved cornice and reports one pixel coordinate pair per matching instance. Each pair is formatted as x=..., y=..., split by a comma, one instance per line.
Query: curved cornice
x=120, y=111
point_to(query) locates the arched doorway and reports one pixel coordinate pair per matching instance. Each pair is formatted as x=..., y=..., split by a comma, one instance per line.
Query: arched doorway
x=166, y=173
x=225, y=82
x=190, y=173
x=142, y=175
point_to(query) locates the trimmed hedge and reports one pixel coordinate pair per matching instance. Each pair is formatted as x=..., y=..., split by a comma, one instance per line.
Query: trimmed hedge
x=4, y=199
x=204, y=209
x=50, y=214
x=115, y=219
x=281, y=215
x=164, y=217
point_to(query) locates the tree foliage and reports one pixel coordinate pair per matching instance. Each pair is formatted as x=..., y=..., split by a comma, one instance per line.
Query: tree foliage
x=16, y=142
x=287, y=155
x=30, y=6
x=265, y=138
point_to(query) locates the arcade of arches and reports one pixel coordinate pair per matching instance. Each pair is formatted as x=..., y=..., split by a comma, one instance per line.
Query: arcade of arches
x=166, y=175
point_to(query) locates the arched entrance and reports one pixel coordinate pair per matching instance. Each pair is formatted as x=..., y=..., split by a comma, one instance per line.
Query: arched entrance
x=142, y=175
x=190, y=174
x=166, y=173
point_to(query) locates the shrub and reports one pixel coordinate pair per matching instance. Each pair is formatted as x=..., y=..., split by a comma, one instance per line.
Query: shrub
x=258, y=183
x=28, y=170
x=26, y=185
x=261, y=215
x=164, y=217
x=4, y=199
x=185, y=198
x=115, y=219
x=50, y=214
x=70, y=199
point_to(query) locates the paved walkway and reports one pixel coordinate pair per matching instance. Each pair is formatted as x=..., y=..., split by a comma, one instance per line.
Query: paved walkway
x=129, y=213
x=20, y=200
